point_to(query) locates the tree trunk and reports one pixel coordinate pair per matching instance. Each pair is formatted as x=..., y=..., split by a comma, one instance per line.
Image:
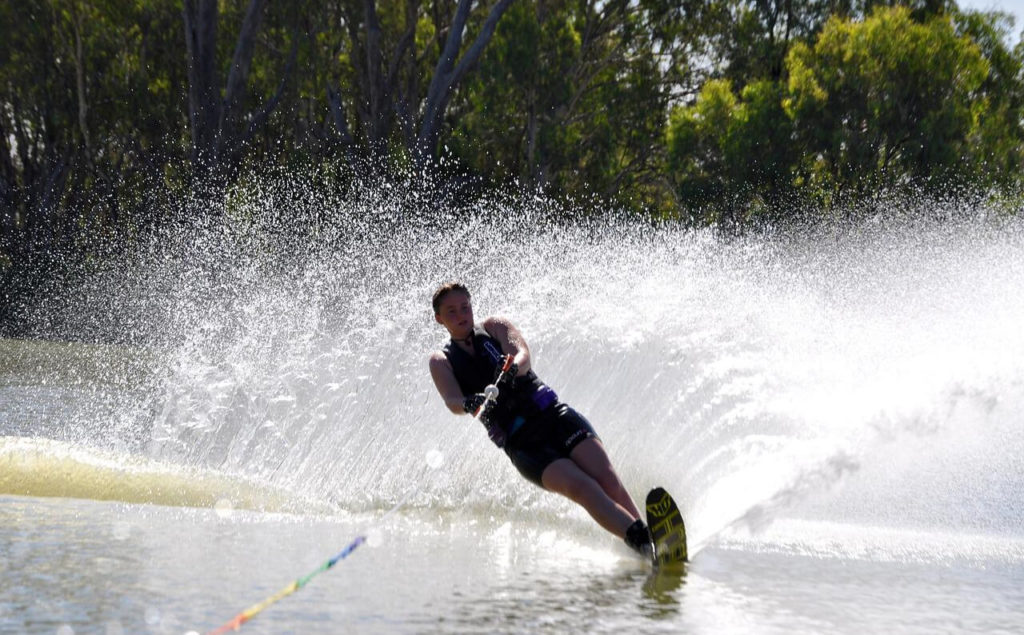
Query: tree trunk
x=378, y=113
x=203, y=100
x=8, y=184
x=217, y=125
x=407, y=97
x=389, y=94
x=448, y=75
x=232, y=123
x=83, y=106
x=377, y=76
x=532, y=126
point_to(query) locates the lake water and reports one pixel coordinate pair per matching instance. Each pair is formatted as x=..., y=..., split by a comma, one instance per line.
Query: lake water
x=837, y=413
x=112, y=568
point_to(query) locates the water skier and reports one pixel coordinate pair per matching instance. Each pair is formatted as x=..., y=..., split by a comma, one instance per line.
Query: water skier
x=550, y=444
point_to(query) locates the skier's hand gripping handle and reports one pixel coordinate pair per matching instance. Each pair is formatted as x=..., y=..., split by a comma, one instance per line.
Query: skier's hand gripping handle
x=508, y=370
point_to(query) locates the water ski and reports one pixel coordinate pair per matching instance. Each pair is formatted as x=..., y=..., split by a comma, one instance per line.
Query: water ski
x=667, y=529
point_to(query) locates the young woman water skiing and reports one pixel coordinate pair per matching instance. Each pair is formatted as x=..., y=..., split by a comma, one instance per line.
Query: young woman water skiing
x=550, y=444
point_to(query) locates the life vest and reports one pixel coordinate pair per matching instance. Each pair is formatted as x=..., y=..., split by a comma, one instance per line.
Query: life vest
x=473, y=372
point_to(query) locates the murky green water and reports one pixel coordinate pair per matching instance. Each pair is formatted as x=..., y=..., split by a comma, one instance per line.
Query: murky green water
x=101, y=567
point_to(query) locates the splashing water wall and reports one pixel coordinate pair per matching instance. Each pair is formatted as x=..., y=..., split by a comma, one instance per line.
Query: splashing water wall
x=871, y=375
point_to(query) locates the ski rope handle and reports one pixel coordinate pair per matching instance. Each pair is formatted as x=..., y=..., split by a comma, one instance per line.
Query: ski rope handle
x=491, y=391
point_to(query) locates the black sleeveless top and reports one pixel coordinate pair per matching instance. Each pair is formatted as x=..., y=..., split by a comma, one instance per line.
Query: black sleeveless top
x=475, y=371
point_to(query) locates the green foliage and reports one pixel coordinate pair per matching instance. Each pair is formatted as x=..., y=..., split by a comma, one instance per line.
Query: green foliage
x=731, y=156
x=999, y=132
x=87, y=88
x=899, y=100
x=571, y=96
x=887, y=100
x=720, y=111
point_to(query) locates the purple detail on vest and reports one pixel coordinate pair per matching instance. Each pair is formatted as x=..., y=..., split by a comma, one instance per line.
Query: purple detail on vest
x=544, y=398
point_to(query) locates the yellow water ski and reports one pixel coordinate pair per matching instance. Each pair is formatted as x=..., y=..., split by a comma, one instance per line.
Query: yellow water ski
x=667, y=529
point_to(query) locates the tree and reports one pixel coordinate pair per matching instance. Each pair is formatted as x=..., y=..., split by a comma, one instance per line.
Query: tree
x=219, y=123
x=1000, y=135
x=571, y=96
x=87, y=115
x=394, y=98
x=887, y=101
x=731, y=157
x=755, y=44
x=901, y=101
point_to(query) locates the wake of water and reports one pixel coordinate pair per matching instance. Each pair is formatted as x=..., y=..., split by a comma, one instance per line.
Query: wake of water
x=752, y=377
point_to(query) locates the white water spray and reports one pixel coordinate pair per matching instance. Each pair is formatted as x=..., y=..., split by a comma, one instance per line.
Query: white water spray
x=748, y=376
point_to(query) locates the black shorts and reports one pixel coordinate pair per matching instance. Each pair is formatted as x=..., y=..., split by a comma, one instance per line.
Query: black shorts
x=550, y=436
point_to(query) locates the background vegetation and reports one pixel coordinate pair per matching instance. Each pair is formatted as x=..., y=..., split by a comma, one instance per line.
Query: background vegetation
x=737, y=113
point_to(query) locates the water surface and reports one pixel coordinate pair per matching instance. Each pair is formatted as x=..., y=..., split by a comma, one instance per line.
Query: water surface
x=837, y=414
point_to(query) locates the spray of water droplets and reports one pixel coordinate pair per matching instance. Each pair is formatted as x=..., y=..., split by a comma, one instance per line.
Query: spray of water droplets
x=286, y=341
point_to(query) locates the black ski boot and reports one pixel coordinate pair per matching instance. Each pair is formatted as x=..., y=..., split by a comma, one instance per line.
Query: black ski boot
x=638, y=537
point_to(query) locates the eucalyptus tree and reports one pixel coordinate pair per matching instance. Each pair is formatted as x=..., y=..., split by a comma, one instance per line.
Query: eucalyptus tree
x=88, y=106
x=221, y=122
x=89, y=111
x=899, y=101
x=572, y=96
x=888, y=101
x=402, y=64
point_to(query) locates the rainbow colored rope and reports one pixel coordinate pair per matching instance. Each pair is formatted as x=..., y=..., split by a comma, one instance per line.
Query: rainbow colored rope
x=236, y=622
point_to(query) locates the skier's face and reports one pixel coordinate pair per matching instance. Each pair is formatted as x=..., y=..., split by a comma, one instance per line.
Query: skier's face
x=456, y=314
